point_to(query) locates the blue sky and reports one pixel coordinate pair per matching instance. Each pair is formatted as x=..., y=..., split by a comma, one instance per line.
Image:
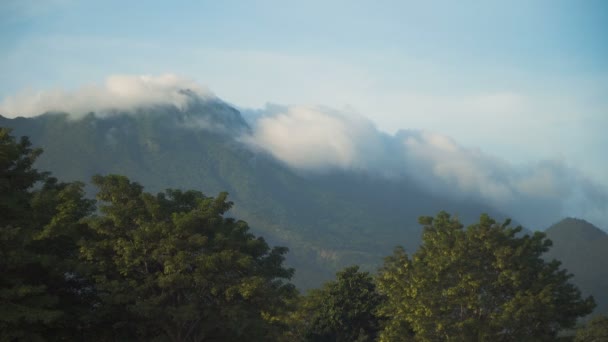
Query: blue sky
x=521, y=80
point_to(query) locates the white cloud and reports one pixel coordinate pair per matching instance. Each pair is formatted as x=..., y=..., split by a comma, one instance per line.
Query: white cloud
x=120, y=92
x=469, y=170
x=318, y=139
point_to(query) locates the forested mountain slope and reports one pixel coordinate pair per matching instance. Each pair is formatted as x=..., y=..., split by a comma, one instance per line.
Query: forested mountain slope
x=328, y=220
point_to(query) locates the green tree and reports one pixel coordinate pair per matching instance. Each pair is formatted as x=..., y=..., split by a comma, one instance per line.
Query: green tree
x=171, y=266
x=481, y=283
x=343, y=310
x=41, y=288
x=596, y=330
x=393, y=282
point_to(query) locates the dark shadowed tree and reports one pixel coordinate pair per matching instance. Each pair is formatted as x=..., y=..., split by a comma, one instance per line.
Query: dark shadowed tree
x=42, y=291
x=482, y=283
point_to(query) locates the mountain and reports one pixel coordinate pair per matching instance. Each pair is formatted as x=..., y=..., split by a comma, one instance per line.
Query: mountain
x=328, y=220
x=583, y=250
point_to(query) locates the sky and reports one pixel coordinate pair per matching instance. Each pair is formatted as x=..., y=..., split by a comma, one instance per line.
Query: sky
x=525, y=82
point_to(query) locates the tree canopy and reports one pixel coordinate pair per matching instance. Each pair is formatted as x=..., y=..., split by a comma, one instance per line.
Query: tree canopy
x=596, y=330
x=41, y=293
x=484, y=282
x=171, y=264
x=342, y=310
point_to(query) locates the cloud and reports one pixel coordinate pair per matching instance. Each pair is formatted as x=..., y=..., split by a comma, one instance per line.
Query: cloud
x=120, y=92
x=317, y=139
x=439, y=162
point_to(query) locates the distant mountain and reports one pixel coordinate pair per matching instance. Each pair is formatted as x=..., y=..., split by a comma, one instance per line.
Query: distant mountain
x=328, y=220
x=583, y=250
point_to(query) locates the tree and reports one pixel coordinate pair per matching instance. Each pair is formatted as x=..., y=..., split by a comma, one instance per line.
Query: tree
x=393, y=282
x=41, y=290
x=596, y=330
x=171, y=265
x=343, y=310
x=480, y=283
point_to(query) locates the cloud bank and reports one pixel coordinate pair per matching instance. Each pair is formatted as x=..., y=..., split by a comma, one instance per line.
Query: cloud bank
x=316, y=139
x=120, y=92
x=313, y=139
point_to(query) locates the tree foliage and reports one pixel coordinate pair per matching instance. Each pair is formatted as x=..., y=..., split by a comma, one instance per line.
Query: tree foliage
x=596, y=330
x=172, y=265
x=481, y=283
x=40, y=290
x=169, y=266
x=342, y=310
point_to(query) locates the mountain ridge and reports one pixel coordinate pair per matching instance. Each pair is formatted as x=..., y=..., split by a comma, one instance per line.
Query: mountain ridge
x=329, y=220
x=334, y=218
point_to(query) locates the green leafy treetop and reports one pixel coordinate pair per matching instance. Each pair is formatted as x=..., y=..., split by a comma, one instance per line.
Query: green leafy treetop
x=344, y=310
x=596, y=330
x=172, y=265
x=482, y=283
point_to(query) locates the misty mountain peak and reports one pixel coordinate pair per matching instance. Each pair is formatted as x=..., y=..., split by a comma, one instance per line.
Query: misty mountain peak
x=211, y=114
x=187, y=109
